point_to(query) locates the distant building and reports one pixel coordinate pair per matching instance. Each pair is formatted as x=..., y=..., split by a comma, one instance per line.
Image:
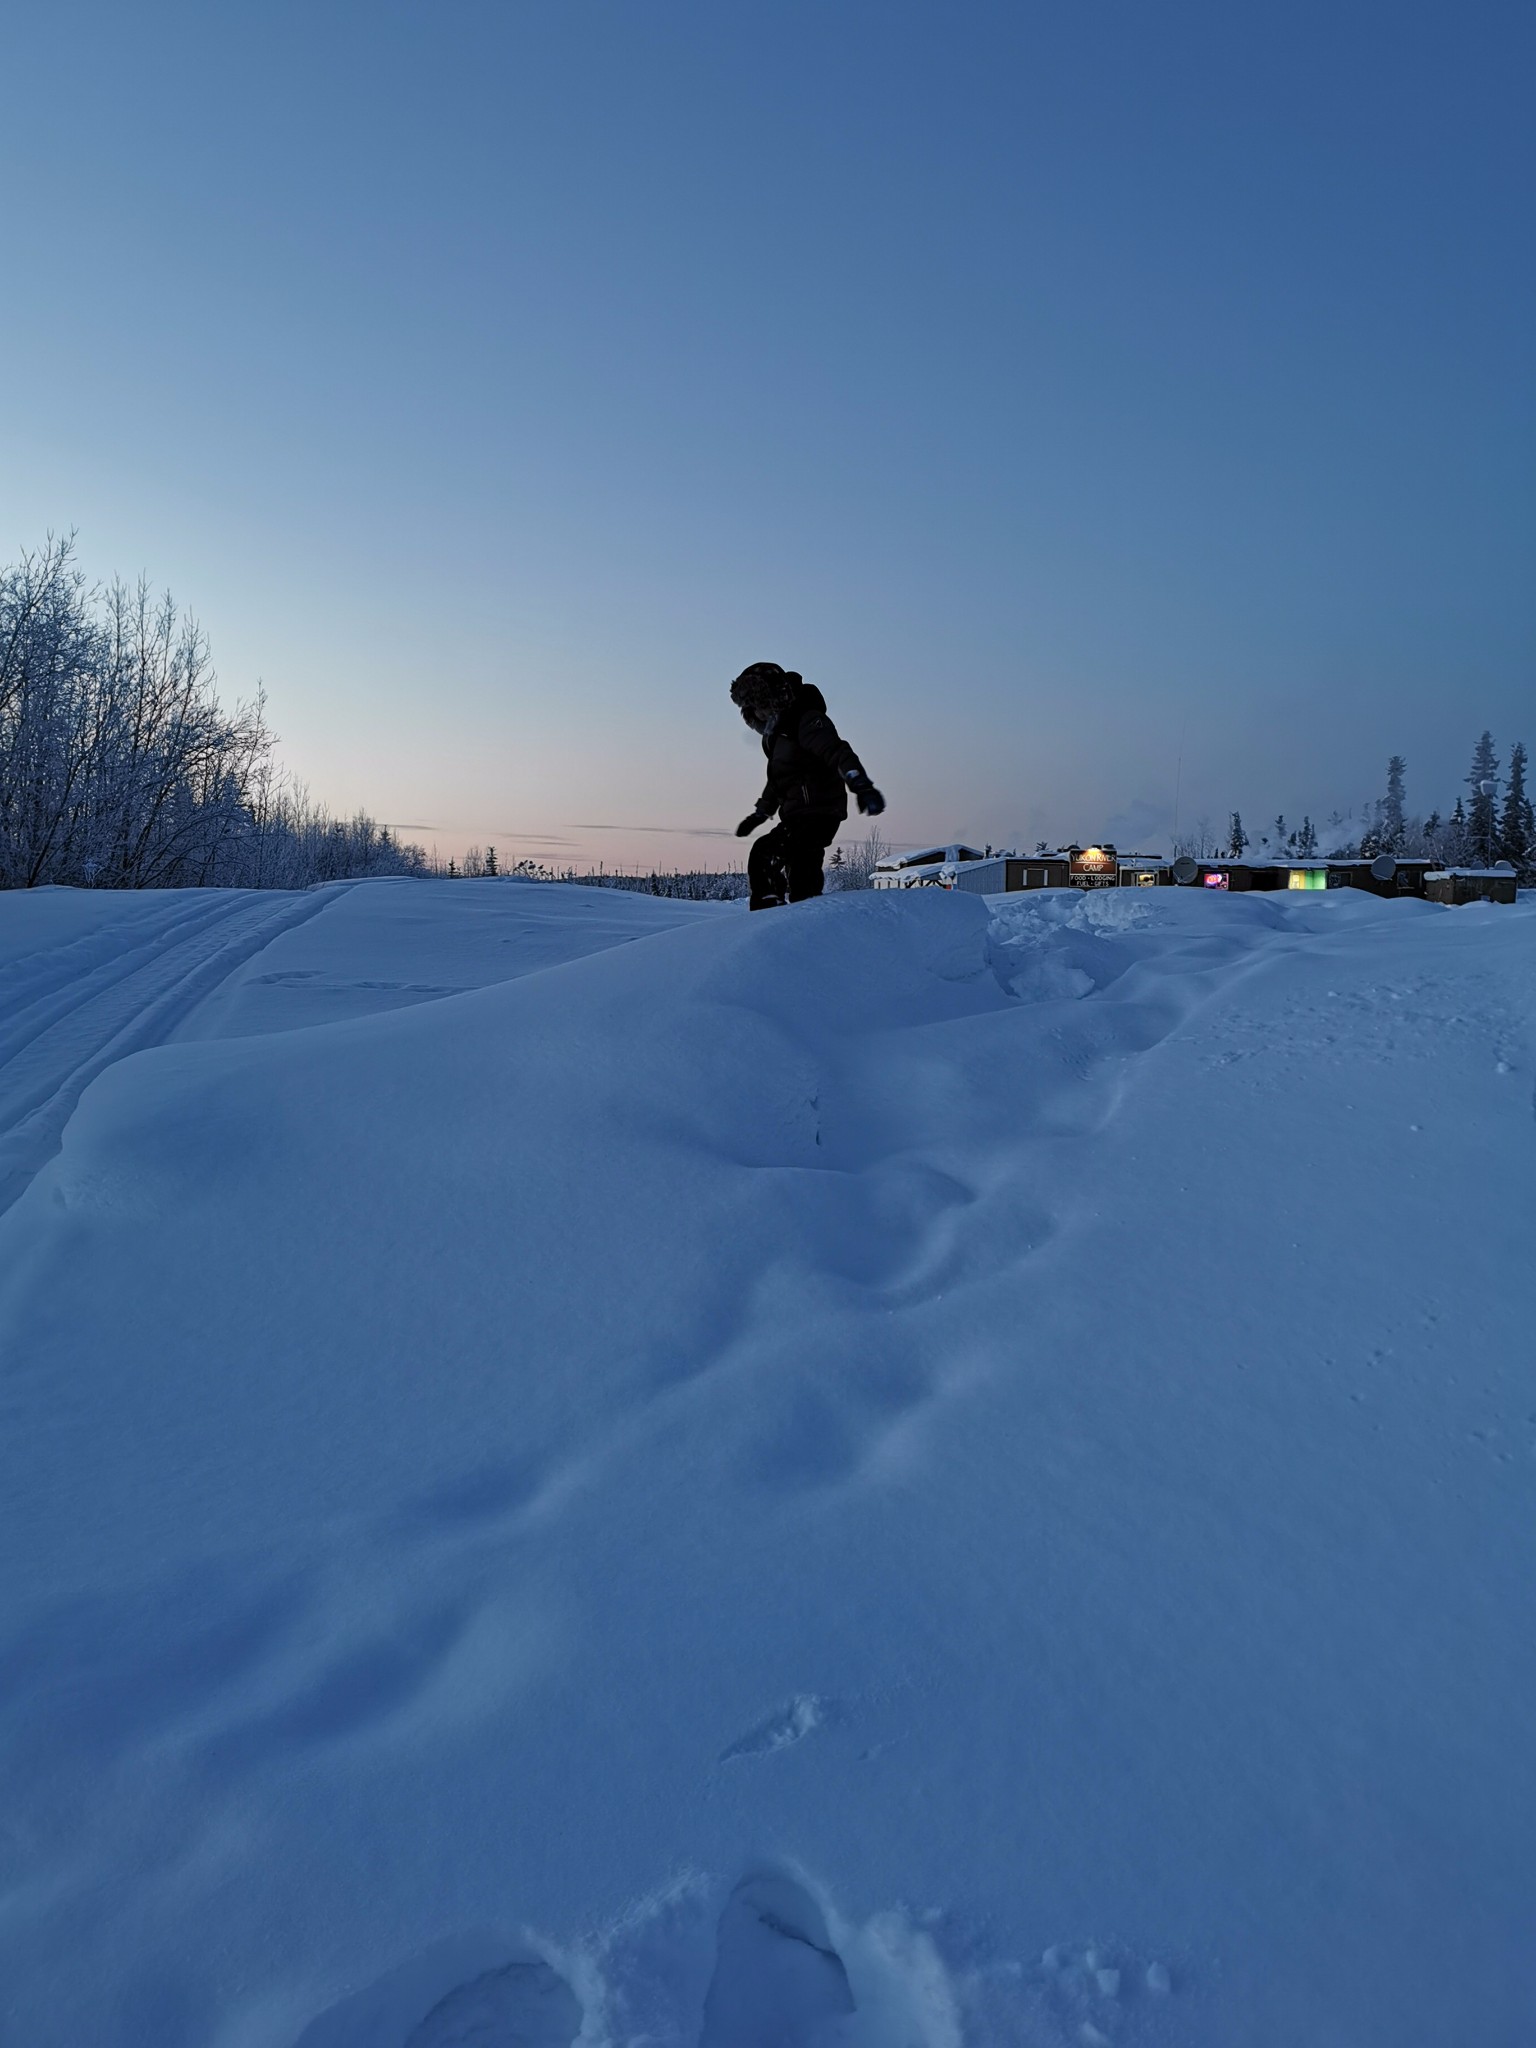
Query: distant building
x=1383, y=876
x=981, y=871
x=932, y=867
x=1093, y=867
x=1232, y=875
x=1105, y=867
x=988, y=877
x=988, y=873
x=1042, y=871
x=1471, y=885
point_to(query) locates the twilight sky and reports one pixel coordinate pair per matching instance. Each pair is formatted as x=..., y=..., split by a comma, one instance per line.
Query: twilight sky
x=1046, y=382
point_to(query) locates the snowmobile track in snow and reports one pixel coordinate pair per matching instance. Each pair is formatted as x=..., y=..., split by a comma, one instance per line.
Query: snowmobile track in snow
x=68, y=1012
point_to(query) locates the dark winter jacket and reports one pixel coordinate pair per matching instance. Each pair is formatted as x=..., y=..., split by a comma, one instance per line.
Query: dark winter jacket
x=807, y=760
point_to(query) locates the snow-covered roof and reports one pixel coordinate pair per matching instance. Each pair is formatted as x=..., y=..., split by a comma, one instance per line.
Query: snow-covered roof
x=1504, y=873
x=1266, y=860
x=933, y=856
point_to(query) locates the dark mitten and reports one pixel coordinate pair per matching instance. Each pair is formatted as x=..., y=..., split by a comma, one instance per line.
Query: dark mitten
x=749, y=825
x=866, y=795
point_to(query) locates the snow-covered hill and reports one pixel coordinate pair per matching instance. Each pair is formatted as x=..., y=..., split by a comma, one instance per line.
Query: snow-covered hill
x=900, y=1473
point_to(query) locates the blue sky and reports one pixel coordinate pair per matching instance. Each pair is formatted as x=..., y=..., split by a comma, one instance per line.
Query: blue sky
x=1061, y=388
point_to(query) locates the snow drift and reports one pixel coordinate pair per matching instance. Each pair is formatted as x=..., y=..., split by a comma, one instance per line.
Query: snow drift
x=906, y=1472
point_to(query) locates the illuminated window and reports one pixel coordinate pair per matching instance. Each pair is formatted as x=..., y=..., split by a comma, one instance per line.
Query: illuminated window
x=1308, y=878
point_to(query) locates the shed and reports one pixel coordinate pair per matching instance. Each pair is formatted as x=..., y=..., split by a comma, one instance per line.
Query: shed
x=1470, y=885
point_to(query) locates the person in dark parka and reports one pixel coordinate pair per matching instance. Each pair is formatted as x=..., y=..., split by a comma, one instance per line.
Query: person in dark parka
x=811, y=769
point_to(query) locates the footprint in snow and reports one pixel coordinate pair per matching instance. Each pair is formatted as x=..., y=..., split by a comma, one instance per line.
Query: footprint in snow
x=1092, y=1985
x=779, y=1981
x=525, y=2005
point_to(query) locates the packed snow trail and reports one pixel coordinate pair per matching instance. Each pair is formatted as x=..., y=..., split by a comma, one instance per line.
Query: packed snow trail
x=899, y=1473
x=129, y=971
x=68, y=1012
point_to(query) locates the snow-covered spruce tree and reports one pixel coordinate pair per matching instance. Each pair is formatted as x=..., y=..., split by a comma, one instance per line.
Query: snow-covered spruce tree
x=1516, y=831
x=1237, y=838
x=1455, y=840
x=1482, y=828
x=1306, y=839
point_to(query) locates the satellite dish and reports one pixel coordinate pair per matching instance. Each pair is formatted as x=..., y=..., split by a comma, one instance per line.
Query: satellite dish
x=1185, y=870
x=1383, y=868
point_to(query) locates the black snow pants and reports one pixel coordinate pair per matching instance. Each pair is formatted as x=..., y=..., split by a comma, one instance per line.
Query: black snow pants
x=785, y=864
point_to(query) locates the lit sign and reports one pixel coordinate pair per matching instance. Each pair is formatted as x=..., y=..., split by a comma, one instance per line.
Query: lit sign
x=1215, y=881
x=1093, y=866
x=1308, y=878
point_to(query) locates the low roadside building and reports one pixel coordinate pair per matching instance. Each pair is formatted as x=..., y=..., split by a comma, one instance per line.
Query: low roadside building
x=1040, y=871
x=1142, y=870
x=930, y=867
x=1088, y=867
x=1093, y=867
x=1384, y=876
x=989, y=877
x=1470, y=885
x=1223, y=874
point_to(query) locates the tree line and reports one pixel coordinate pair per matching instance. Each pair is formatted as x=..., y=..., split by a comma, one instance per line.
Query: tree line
x=1493, y=822
x=119, y=766
x=695, y=885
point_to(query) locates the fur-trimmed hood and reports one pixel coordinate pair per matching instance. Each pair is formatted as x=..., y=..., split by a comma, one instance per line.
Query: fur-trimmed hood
x=763, y=692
